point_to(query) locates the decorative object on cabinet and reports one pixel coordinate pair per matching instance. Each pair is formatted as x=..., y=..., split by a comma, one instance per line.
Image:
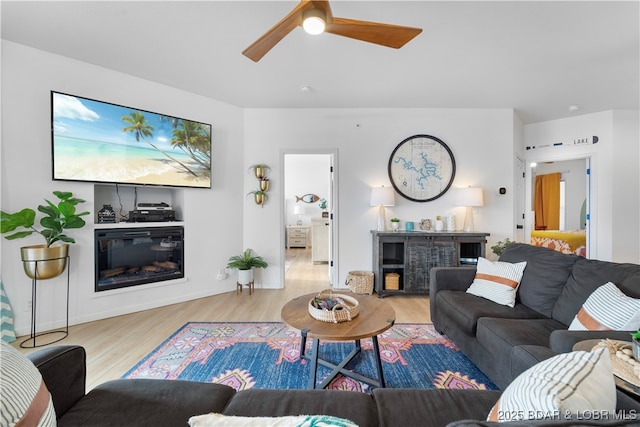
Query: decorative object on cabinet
x=421, y=168
x=297, y=236
x=308, y=198
x=469, y=197
x=298, y=210
x=245, y=264
x=382, y=196
x=411, y=256
x=439, y=225
x=409, y=226
x=395, y=223
x=319, y=240
x=260, y=170
x=425, y=225
x=44, y=261
x=323, y=205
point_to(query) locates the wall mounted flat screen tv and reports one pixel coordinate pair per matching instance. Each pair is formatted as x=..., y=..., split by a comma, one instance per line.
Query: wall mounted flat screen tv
x=98, y=141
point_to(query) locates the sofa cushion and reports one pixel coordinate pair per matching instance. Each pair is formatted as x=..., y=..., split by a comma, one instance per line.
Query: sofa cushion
x=464, y=310
x=606, y=309
x=566, y=384
x=545, y=276
x=499, y=336
x=432, y=407
x=25, y=398
x=146, y=402
x=586, y=276
x=356, y=407
x=497, y=281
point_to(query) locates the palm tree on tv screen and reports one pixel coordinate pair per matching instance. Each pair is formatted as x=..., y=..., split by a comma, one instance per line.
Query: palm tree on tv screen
x=194, y=139
x=139, y=126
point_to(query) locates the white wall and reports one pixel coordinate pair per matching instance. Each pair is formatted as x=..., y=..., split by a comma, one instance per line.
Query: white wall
x=364, y=140
x=615, y=178
x=213, y=224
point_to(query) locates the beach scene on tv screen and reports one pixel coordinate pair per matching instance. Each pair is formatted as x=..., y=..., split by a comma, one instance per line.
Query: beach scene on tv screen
x=102, y=142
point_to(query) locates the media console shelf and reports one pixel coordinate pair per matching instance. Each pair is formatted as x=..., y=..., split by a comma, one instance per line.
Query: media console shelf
x=402, y=260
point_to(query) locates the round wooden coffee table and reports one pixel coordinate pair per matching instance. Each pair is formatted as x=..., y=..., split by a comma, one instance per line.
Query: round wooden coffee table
x=375, y=316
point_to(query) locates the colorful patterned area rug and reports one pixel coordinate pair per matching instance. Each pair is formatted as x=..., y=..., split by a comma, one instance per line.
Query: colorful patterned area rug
x=267, y=355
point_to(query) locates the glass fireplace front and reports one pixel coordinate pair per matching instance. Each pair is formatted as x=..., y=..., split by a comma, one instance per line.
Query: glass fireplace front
x=135, y=256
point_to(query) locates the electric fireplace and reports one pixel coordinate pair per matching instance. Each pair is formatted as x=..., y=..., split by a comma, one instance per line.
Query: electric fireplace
x=134, y=256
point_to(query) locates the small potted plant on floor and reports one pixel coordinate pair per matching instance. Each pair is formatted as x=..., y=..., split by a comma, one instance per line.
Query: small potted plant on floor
x=245, y=264
x=395, y=223
x=48, y=260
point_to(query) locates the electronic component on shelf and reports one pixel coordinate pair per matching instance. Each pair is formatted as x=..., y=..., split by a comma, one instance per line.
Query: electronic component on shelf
x=151, y=215
x=153, y=206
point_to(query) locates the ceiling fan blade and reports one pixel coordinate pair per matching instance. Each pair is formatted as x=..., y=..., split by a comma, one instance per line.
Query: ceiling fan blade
x=268, y=40
x=388, y=35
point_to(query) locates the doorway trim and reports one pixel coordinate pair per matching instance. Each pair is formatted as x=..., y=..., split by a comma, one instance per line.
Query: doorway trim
x=333, y=203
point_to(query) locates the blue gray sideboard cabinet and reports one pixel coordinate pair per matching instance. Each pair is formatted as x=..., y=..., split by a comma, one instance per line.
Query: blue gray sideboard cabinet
x=402, y=260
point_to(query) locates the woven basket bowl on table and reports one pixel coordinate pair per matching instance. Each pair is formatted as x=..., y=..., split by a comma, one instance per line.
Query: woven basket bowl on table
x=360, y=282
x=343, y=311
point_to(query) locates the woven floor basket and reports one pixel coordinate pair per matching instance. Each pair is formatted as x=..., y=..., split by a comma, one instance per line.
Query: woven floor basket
x=342, y=312
x=360, y=282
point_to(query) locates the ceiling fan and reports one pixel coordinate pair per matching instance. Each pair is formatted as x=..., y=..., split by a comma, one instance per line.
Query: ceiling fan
x=315, y=17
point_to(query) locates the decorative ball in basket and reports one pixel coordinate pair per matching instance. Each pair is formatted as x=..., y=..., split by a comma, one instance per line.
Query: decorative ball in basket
x=360, y=282
x=328, y=306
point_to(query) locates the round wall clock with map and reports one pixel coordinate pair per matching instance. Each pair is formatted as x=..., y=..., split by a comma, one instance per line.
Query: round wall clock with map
x=422, y=168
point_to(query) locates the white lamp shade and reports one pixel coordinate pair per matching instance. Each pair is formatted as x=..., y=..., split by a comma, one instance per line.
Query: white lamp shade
x=382, y=196
x=470, y=196
x=298, y=210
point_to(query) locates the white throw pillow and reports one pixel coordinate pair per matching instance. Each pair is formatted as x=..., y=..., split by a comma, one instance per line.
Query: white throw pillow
x=559, y=388
x=497, y=281
x=25, y=397
x=608, y=309
x=213, y=419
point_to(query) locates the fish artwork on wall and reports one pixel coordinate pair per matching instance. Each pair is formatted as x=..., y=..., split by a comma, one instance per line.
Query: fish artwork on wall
x=308, y=198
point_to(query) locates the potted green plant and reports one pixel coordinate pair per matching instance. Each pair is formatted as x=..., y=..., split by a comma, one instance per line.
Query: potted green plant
x=264, y=183
x=48, y=260
x=259, y=169
x=635, y=344
x=500, y=246
x=322, y=204
x=260, y=196
x=245, y=264
x=395, y=223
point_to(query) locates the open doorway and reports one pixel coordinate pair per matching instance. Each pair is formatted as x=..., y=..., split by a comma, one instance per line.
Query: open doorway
x=308, y=219
x=564, y=223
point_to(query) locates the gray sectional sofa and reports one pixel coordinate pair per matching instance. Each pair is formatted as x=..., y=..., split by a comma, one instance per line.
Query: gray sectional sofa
x=159, y=403
x=504, y=341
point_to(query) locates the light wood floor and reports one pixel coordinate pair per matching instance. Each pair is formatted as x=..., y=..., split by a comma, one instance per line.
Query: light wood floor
x=114, y=345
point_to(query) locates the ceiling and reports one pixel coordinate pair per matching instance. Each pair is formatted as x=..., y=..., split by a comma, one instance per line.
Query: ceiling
x=537, y=57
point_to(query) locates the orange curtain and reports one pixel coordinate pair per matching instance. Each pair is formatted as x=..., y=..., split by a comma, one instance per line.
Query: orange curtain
x=547, y=201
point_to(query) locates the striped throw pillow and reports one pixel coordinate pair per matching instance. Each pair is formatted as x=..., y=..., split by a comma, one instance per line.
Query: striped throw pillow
x=497, y=281
x=25, y=398
x=608, y=309
x=560, y=388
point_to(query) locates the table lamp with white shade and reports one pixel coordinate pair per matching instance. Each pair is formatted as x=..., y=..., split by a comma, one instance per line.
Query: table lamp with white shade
x=382, y=196
x=298, y=210
x=470, y=198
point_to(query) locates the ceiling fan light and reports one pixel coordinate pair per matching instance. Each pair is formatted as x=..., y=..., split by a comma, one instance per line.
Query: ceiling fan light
x=313, y=21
